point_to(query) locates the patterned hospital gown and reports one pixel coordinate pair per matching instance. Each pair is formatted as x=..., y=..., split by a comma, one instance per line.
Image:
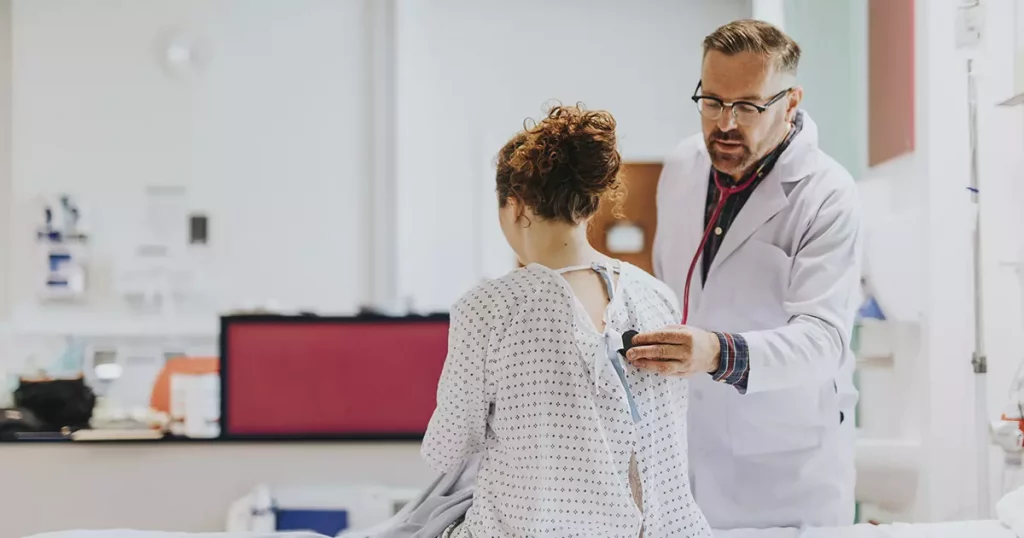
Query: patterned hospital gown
x=528, y=381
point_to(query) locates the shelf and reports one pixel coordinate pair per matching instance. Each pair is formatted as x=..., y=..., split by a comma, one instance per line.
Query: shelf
x=1014, y=101
x=145, y=328
x=886, y=360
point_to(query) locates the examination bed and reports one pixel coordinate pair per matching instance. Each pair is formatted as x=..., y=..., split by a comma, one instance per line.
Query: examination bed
x=961, y=529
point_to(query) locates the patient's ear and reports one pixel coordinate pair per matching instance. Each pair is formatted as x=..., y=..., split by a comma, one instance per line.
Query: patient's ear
x=519, y=209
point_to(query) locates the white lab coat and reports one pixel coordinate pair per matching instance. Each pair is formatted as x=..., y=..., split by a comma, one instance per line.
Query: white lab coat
x=786, y=277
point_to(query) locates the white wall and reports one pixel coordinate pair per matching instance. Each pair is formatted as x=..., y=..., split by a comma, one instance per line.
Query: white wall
x=942, y=172
x=5, y=159
x=942, y=176
x=773, y=11
x=470, y=72
x=270, y=139
x=1001, y=132
x=280, y=98
x=933, y=181
x=269, y=136
x=5, y=195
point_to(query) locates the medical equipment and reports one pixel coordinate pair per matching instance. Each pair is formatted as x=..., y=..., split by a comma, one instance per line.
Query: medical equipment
x=64, y=255
x=195, y=405
x=327, y=509
x=723, y=196
x=979, y=361
x=1008, y=431
x=1008, y=434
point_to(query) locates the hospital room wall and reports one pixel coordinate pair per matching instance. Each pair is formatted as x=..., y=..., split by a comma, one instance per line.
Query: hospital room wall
x=232, y=135
x=467, y=77
x=5, y=157
x=5, y=187
x=267, y=135
x=933, y=181
x=921, y=198
x=941, y=168
x=268, y=138
x=1000, y=158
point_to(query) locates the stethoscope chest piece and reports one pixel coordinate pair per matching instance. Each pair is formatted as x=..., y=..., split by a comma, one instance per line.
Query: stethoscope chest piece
x=627, y=341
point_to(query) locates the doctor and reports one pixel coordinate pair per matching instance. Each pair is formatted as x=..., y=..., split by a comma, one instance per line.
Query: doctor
x=759, y=233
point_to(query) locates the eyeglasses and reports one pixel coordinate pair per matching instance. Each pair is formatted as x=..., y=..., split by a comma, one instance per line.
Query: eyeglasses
x=744, y=112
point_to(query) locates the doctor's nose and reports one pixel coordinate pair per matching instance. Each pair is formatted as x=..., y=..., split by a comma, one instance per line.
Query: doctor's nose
x=726, y=121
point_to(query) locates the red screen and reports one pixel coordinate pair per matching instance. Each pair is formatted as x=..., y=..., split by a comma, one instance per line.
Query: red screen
x=324, y=378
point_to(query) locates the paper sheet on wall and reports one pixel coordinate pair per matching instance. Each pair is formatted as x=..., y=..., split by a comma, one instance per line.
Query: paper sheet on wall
x=166, y=218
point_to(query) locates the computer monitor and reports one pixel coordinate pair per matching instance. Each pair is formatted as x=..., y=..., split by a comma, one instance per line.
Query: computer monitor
x=308, y=377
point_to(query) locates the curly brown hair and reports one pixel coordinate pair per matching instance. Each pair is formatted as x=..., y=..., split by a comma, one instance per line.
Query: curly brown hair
x=562, y=166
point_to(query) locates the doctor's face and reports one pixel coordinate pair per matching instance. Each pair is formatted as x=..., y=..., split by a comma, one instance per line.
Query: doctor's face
x=738, y=136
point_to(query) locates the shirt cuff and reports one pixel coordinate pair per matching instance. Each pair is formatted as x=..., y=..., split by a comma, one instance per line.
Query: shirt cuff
x=734, y=362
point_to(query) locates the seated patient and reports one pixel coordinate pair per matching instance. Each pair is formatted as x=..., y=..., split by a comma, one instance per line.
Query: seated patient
x=575, y=442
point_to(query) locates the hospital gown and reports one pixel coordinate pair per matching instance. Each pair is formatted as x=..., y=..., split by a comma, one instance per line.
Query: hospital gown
x=528, y=381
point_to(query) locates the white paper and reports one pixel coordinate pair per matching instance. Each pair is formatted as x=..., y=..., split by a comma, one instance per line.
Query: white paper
x=166, y=218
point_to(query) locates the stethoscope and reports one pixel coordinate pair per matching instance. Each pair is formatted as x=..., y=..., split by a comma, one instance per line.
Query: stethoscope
x=724, y=192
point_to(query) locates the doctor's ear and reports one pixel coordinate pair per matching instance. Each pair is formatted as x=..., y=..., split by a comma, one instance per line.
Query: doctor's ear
x=796, y=95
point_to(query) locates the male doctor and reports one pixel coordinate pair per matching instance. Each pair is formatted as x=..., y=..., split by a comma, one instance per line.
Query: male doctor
x=759, y=233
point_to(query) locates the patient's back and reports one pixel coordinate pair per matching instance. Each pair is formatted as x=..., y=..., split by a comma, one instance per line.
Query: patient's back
x=560, y=436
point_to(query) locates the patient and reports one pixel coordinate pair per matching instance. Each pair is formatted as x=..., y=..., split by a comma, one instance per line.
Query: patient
x=575, y=442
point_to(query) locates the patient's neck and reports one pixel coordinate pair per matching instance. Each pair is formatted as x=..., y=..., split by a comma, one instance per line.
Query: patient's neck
x=556, y=245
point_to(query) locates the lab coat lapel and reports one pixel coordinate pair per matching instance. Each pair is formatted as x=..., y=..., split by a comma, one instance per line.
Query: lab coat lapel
x=764, y=203
x=692, y=218
x=769, y=197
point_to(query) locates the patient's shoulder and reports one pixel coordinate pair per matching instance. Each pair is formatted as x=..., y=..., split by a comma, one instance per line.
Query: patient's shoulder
x=496, y=299
x=647, y=293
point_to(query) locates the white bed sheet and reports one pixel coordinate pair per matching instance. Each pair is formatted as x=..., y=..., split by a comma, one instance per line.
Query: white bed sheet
x=958, y=529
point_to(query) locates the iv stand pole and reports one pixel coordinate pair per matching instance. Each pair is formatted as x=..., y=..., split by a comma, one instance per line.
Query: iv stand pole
x=979, y=361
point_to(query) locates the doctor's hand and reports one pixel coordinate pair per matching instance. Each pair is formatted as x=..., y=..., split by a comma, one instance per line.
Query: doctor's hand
x=675, y=350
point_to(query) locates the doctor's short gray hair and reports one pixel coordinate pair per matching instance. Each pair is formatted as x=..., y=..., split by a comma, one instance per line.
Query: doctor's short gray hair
x=749, y=35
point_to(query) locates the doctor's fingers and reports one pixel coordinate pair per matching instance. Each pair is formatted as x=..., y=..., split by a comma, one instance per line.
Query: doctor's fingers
x=673, y=334
x=671, y=368
x=662, y=352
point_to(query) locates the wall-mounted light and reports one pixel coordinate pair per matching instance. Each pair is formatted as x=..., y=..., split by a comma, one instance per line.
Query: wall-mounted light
x=625, y=238
x=180, y=54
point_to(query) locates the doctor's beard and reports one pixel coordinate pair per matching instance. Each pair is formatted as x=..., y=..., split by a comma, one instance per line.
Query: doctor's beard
x=742, y=162
x=732, y=163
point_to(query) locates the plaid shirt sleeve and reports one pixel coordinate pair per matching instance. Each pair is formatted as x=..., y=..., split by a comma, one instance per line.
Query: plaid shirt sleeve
x=734, y=366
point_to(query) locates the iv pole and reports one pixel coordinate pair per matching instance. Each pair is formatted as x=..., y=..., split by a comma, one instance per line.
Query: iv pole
x=979, y=361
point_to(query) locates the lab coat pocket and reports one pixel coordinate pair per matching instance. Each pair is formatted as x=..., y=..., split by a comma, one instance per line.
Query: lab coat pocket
x=776, y=421
x=759, y=277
